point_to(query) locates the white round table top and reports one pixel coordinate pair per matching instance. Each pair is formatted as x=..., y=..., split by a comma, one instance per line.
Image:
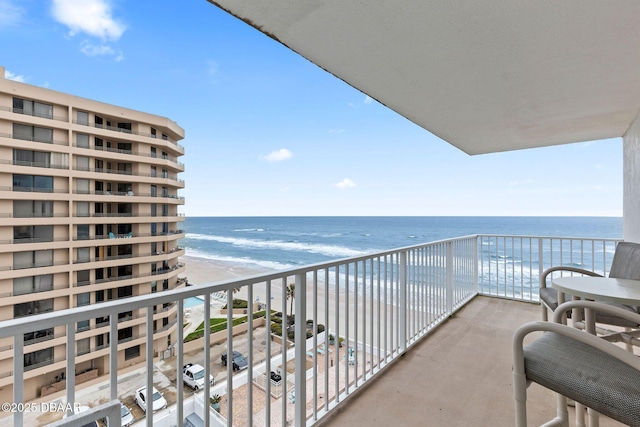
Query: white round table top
x=620, y=291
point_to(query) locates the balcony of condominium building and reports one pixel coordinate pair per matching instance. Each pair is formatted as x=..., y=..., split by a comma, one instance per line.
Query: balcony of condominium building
x=419, y=335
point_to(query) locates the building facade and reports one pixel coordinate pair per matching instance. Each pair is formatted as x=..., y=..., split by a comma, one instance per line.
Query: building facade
x=88, y=213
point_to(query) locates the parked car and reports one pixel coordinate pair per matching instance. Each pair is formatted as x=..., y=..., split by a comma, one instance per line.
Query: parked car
x=126, y=419
x=158, y=403
x=193, y=376
x=239, y=361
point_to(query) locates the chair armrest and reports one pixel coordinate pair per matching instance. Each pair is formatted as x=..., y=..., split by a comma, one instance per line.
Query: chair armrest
x=543, y=276
x=594, y=305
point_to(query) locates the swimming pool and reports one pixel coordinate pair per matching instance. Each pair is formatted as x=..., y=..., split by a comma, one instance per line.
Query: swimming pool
x=192, y=302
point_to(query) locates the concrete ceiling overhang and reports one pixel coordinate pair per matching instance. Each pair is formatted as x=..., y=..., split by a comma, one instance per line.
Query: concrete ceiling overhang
x=485, y=76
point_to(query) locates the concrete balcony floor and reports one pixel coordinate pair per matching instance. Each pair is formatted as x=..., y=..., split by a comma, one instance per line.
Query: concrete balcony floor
x=460, y=375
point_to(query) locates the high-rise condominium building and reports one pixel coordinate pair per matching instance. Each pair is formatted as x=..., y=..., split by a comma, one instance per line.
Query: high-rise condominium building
x=88, y=213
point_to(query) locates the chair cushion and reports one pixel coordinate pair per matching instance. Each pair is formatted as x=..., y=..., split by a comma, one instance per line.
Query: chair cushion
x=585, y=374
x=550, y=297
x=626, y=261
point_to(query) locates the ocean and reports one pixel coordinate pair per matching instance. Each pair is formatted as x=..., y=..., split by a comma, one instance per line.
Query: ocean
x=285, y=242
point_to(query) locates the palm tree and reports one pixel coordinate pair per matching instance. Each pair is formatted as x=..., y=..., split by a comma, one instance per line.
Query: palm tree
x=291, y=291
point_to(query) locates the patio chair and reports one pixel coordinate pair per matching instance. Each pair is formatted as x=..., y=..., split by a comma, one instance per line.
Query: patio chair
x=579, y=366
x=625, y=265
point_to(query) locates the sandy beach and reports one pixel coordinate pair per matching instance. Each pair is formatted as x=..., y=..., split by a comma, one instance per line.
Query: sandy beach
x=206, y=271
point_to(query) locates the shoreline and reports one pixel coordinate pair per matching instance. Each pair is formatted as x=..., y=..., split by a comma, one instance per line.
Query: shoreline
x=202, y=271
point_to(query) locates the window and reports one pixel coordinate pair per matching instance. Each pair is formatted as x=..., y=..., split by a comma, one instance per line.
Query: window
x=98, y=142
x=154, y=286
x=38, y=358
x=153, y=228
x=82, y=140
x=98, y=121
x=32, y=307
x=82, y=300
x=165, y=192
x=84, y=255
x=165, y=173
x=32, y=284
x=32, y=208
x=82, y=163
x=153, y=210
x=165, y=155
x=133, y=352
x=125, y=291
x=32, y=108
x=82, y=208
x=83, y=118
x=165, y=211
x=154, y=172
x=31, y=259
x=165, y=137
x=35, y=183
x=40, y=159
x=82, y=277
x=83, y=346
x=153, y=152
x=124, y=147
x=124, y=127
x=153, y=134
x=32, y=233
x=82, y=186
x=32, y=133
x=125, y=334
x=38, y=336
x=82, y=231
x=154, y=191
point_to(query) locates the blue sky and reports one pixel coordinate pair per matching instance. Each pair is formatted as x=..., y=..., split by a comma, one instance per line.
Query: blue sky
x=269, y=133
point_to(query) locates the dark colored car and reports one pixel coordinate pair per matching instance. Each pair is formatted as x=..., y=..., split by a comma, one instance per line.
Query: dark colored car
x=239, y=361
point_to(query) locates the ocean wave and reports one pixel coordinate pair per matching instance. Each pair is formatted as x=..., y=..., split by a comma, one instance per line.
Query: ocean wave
x=272, y=265
x=249, y=229
x=328, y=250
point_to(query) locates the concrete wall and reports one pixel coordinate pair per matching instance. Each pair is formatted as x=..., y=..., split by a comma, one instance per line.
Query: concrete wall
x=631, y=194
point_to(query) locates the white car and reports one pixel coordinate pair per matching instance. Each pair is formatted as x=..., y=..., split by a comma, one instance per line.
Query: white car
x=159, y=401
x=193, y=376
x=126, y=419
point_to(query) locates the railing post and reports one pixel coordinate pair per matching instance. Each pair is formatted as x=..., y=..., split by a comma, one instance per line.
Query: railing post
x=449, y=277
x=300, y=328
x=402, y=304
x=71, y=366
x=476, y=261
x=18, y=377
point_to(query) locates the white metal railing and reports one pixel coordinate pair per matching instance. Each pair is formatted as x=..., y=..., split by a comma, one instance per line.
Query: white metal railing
x=373, y=308
x=511, y=266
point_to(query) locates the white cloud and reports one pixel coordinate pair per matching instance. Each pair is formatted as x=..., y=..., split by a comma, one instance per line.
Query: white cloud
x=90, y=49
x=10, y=76
x=10, y=14
x=345, y=183
x=368, y=99
x=278, y=156
x=92, y=17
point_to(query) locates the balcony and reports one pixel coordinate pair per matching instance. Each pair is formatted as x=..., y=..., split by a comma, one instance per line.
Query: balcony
x=427, y=329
